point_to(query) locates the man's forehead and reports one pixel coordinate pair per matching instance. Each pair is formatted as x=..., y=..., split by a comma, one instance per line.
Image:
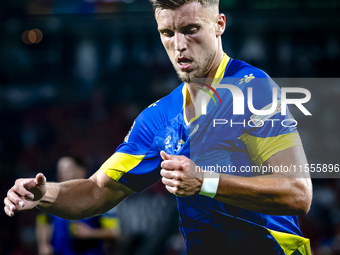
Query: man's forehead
x=192, y=12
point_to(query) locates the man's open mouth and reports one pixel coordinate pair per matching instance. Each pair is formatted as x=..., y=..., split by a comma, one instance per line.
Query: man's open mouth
x=184, y=63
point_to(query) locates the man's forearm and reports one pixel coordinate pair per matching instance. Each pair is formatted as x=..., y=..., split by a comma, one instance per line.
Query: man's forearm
x=276, y=196
x=75, y=199
x=83, y=198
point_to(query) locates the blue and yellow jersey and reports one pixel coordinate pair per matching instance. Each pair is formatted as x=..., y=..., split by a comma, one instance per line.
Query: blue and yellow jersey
x=209, y=226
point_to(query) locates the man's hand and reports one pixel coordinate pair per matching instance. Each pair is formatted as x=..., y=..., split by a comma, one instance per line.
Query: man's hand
x=177, y=177
x=25, y=194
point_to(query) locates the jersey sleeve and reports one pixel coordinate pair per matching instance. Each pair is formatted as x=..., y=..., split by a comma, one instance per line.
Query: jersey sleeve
x=266, y=135
x=135, y=162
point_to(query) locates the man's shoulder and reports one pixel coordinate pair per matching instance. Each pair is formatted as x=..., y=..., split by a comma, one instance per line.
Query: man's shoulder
x=166, y=105
x=163, y=110
x=241, y=69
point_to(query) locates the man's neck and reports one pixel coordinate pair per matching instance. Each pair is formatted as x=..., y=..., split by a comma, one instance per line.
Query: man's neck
x=192, y=87
x=192, y=106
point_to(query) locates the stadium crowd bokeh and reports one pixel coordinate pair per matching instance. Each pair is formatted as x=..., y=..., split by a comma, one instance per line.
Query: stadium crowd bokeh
x=78, y=87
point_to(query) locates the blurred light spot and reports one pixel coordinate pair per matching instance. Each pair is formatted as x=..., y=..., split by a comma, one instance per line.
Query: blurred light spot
x=39, y=35
x=32, y=36
x=25, y=37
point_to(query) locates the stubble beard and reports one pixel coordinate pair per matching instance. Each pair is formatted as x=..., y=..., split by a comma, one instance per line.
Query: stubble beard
x=183, y=76
x=187, y=77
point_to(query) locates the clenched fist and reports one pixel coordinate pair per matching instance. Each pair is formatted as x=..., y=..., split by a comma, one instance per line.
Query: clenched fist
x=25, y=194
x=177, y=177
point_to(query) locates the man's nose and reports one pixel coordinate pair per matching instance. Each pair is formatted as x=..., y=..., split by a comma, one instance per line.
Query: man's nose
x=180, y=42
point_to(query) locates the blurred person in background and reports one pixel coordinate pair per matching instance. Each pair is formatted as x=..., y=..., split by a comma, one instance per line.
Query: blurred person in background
x=57, y=236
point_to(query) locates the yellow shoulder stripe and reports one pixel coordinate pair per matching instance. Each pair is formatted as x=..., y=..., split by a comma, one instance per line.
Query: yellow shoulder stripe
x=260, y=149
x=119, y=164
x=290, y=243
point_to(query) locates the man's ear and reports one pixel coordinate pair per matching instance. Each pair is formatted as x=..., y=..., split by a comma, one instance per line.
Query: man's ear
x=221, y=23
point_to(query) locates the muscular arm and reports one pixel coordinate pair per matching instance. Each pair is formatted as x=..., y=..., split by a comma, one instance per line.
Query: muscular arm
x=75, y=199
x=78, y=199
x=278, y=194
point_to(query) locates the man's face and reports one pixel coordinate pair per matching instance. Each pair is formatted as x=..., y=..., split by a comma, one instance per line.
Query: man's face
x=68, y=170
x=189, y=36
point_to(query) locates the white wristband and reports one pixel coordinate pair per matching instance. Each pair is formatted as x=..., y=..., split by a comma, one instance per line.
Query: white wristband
x=210, y=184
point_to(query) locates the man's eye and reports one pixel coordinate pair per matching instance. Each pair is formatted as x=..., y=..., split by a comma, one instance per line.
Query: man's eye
x=167, y=33
x=191, y=30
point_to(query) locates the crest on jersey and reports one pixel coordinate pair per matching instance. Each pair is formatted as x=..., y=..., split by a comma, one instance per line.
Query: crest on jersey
x=167, y=142
x=179, y=145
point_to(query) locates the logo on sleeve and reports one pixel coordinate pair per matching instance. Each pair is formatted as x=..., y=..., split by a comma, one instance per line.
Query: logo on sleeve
x=127, y=136
x=247, y=78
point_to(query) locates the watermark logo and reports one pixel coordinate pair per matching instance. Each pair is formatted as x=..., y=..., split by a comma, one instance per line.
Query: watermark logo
x=208, y=92
x=238, y=100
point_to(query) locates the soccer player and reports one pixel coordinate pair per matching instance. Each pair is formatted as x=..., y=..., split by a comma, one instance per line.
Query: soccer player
x=243, y=215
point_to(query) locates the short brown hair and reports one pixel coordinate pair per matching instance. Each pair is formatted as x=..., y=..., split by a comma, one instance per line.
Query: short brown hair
x=173, y=4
